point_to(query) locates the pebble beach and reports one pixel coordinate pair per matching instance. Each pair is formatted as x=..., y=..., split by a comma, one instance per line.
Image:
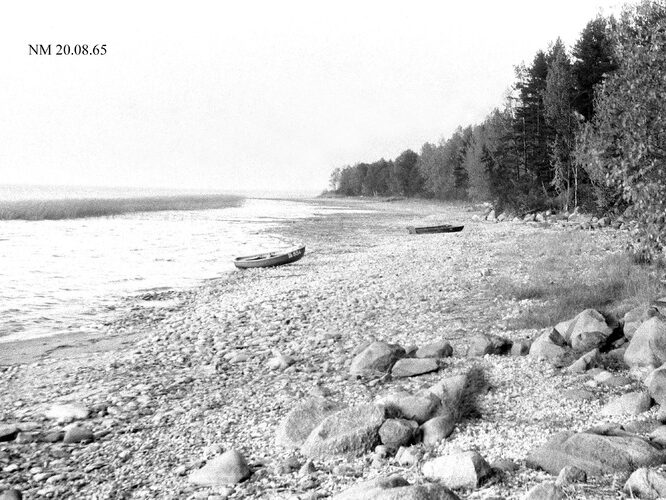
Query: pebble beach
x=183, y=376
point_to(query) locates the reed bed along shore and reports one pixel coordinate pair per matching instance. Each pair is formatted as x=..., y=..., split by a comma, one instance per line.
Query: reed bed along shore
x=58, y=209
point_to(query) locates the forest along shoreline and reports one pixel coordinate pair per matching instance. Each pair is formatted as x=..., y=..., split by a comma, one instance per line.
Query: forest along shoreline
x=200, y=401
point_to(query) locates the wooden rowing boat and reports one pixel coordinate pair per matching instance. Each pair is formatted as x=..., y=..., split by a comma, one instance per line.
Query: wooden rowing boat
x=270, y=259
x=444, y=228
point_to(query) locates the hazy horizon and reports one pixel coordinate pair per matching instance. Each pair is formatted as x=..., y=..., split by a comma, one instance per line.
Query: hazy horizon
x=59, y=191
x=262, y=97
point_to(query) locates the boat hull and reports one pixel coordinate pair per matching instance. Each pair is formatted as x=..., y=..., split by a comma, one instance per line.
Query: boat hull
x=444, y=228
x=270, y=259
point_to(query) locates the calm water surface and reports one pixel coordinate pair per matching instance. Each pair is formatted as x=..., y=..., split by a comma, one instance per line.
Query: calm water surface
x=64, y=276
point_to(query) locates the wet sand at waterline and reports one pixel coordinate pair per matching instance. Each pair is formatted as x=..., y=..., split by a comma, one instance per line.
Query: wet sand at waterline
x=180, y=382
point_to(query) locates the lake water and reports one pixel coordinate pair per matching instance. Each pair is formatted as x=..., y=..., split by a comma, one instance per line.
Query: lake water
x=66, y=275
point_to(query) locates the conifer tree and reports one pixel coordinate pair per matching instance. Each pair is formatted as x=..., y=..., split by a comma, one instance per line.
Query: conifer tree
x=593, y=59
x=560, y=117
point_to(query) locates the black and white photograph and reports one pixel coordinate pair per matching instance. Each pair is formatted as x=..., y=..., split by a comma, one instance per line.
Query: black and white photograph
x=350, y=250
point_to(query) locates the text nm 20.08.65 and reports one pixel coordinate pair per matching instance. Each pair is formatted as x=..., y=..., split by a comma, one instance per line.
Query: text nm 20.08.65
x=84, y=49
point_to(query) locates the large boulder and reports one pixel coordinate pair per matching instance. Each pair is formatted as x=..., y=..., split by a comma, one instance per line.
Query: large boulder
x=632, y=403
x=397, y=432
x=648, y=344
x=441, y=349
x=438, y=428
x=352, y=431
x=646, y=483
x=588, y=331
x=585, y=362
x=594, y=453
x=418, y=407
x=410, y=367
x=634, y=318
x=658, y=435
x=8, y=432
x=396, y=488
x=228, y=468
x=460, y=470
x=547, y=490
x=563, y=329
x=376, y=359
x=487, y=343
x=297, y=425
x=67, y=412
x=11, y=494
x=656, y=385
x=544, y=348
x=75, y=433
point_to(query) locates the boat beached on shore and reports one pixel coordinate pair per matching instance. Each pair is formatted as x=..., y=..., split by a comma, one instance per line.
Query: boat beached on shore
x=270, y=259
x=444, y=228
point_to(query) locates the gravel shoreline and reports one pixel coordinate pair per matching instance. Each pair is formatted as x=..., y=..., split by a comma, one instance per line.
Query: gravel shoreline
x=195, y=381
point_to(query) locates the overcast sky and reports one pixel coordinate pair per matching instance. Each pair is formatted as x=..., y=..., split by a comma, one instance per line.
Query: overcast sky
x=254, y=94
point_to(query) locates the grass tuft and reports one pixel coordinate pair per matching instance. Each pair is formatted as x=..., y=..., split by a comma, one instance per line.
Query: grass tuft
x=565, y=278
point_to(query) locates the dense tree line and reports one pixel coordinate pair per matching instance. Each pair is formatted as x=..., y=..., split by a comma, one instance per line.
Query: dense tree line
x=581, y=127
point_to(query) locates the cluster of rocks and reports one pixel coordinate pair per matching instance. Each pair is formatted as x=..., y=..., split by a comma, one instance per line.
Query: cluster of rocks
x=60, y=423
x=578, y=346
x=634, y=340
x=377, y=359
x=582, y=345
x=396, y=424
x=319, y=428
x=547, y=217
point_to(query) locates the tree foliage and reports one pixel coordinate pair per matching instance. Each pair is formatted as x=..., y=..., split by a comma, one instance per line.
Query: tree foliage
x=626, y=143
